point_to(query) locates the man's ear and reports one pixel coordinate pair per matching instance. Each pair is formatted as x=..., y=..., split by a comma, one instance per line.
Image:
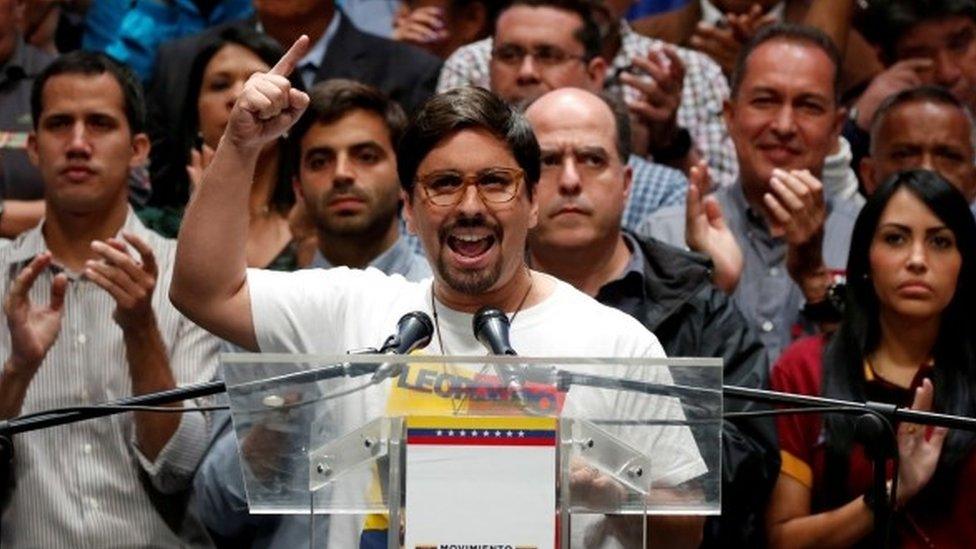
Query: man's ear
x=728, y=112
x=32, y=149
x=296, y=187
x=408, y=212
x=628, y=181
x=596, y=69
x=866, y=171
x=140, y=150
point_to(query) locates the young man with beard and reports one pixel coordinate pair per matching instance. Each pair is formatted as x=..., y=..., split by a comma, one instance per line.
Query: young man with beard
x=468, y=164
x=347, y=178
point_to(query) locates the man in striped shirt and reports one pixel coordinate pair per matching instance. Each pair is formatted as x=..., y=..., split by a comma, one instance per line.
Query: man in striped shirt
x=87, y=321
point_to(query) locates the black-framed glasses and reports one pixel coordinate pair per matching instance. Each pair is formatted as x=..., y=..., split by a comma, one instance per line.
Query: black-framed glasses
x=494, y=185
x=547, y=56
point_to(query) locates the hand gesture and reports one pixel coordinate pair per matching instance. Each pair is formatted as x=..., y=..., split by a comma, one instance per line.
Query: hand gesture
x=129, y=281
x=33, y=328
x=919, y=447
x=707, y=233
x=268, y=105
x=199, y=160
x=660, y=94
x=594, y=489
x=797, y=212
x=723, y=44
x=905, y=74
x=421, y=26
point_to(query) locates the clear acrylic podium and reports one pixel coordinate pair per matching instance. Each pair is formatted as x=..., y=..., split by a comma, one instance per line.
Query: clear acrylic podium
x=518, y=446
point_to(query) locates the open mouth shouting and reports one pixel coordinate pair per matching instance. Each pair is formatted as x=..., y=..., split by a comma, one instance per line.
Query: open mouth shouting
x=471, y=247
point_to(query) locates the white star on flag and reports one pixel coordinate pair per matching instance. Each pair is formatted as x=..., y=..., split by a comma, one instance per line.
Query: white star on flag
x=509, y=433
x=521, y=433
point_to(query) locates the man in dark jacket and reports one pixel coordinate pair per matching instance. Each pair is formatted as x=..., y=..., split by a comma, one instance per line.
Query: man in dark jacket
x=581, y=197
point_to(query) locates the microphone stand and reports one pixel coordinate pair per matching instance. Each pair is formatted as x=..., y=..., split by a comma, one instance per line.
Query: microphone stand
x=874, y=423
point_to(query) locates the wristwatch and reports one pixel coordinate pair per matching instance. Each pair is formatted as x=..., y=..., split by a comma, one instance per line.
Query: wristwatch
x=831, y=308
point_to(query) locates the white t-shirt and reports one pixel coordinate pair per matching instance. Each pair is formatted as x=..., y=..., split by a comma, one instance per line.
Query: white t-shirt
x=332, y=311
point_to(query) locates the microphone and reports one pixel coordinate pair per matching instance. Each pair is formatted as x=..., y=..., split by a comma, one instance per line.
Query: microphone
x=491, y=327
x=414, y=331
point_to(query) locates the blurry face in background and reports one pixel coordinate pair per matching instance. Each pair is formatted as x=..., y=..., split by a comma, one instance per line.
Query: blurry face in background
x=83, y=145
x=223, y=79
x=931, y=136
x=584, y=185
x=915, y=262
x=784, y=114
x=348, y=176
x=557, y=56
x=951, y=45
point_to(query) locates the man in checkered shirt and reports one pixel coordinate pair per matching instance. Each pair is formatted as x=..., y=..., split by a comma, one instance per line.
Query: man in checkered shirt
x=675, y=94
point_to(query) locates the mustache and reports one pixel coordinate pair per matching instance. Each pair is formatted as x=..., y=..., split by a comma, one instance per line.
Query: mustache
x=344, y=192
x=580, y=203
x=477, y=221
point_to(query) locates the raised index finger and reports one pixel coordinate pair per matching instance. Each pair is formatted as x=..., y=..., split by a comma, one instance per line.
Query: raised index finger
x=289, y=61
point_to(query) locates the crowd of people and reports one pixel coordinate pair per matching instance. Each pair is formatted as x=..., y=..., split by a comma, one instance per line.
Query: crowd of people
x=789, y=186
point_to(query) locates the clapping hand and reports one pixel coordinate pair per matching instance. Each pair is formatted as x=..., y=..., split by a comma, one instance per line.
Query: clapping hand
x=33, y=327
x=129, y=281
x=919, y=448
x=660, y=94
x=707, y=233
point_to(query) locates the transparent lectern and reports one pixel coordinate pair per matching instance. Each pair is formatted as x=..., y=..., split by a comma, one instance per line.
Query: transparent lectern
x=428, y=451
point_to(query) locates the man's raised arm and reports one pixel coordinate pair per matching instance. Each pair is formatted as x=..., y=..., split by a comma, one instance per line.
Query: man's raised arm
x=209, y=280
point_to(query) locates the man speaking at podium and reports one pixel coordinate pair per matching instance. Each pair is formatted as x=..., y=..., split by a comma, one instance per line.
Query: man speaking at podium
x=468, y=165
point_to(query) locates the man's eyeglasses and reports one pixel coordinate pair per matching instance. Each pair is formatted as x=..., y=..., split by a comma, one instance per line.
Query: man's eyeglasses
x=547, y=56
x=494, y=185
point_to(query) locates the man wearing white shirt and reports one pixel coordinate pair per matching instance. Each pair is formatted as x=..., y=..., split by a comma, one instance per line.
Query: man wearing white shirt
x=467, y=164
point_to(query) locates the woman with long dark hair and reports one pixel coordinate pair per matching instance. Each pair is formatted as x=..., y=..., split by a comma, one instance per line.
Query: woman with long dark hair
x=219, y=72
x=907, y=338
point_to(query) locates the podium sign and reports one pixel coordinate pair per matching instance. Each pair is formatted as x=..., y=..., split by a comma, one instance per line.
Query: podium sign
x=482, y=451
x=474, y=481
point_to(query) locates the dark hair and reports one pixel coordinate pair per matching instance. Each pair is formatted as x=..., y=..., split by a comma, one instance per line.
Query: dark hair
x=460, y=109
x=921, y=94
x=333, y=99
x=787, y=32
x=887, y=21
x=93, y=64
x=492, y=9
x=859, y=332
x=589, y=11
x=269, y=52
x=621, y=119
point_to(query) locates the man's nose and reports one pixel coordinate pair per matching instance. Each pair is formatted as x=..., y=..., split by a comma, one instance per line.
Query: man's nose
x=784, y=123
x=528, y=70
x=344, y=170
x=569, y=177
x=471, y=202
x=78, y=142
x=947, y=71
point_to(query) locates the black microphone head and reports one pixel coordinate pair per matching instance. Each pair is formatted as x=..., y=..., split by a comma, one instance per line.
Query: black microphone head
x=490, y=326
x=414, y=331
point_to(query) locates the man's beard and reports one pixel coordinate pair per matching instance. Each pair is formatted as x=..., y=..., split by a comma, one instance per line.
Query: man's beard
x=370, y=224
x=470, y=282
